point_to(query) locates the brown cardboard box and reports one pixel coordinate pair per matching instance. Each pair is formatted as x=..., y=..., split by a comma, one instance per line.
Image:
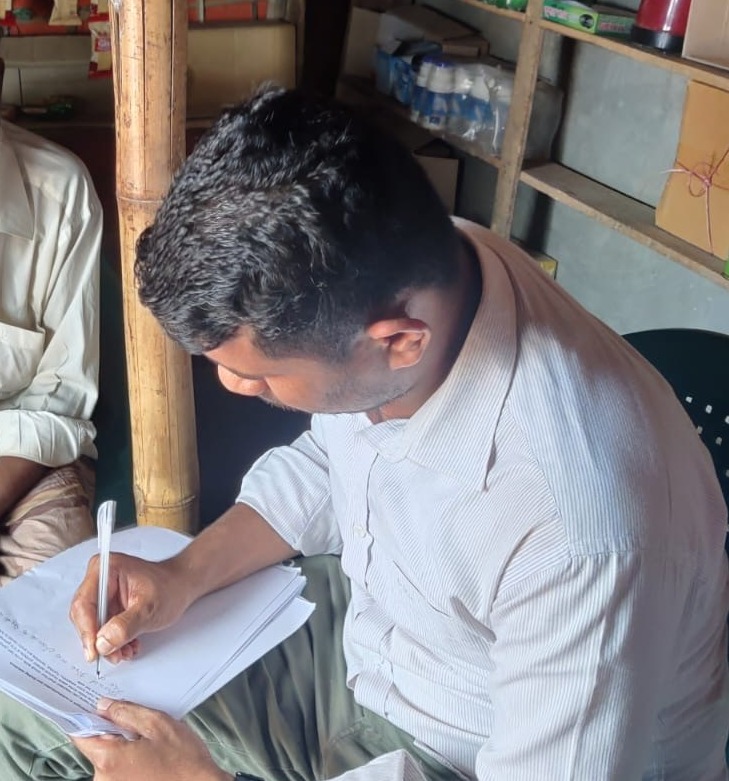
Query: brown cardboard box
x=438, y=162
x=38, y=67
x=707, y=33
x=226, y=63
x=435, y=156
x=359, y=48
x=417, y=23
x=695, y=201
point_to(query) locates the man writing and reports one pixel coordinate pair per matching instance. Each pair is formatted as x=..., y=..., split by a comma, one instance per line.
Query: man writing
x=532, y=580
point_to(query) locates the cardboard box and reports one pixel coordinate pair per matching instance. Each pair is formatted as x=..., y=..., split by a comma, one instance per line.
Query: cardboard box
x=358, y=57
x=707, y=33
x=225, y=64
x=595, y=19
x=702, y=164
x=435, y=156
x=38, y=67
x=417, y=23
x=438, y=162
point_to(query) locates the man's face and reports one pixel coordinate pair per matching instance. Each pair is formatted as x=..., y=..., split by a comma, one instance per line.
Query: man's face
x=363, y=382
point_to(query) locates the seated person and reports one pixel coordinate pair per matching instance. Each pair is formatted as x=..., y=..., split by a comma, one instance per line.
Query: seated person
x=529, y=580
x=50, y=233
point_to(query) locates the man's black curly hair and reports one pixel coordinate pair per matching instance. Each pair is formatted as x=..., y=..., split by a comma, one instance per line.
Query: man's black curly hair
x=298, y=218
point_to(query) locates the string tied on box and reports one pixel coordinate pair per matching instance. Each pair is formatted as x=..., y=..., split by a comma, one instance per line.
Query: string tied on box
x=700, y=184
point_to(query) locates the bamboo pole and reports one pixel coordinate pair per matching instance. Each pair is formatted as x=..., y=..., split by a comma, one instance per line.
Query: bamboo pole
x=149, y=48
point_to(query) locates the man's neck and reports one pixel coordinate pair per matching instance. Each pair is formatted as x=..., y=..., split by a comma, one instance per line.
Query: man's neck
x=450, y=314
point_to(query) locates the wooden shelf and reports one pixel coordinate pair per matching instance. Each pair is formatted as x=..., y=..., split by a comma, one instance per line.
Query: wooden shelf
x=716, y=77
x=355, y=89
x=492, y=9
x=621, y=213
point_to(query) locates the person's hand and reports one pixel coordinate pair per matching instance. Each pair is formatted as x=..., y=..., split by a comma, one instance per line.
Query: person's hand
x=143, y=597
x=165, y=748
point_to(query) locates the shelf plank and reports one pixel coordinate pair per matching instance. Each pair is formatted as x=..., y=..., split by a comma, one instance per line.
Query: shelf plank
x=716, y=77
x=361, y=91
x=492, y=9
x=621, y=213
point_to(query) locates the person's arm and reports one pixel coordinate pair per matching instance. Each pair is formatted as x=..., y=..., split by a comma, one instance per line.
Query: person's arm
x=17, y=477
x=290, y=488
x=579, y=662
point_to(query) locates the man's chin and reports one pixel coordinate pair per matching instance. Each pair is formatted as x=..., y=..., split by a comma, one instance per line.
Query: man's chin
x=277, y=404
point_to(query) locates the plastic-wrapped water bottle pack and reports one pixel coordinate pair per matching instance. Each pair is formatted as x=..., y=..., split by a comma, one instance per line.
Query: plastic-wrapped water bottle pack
x=470, y=100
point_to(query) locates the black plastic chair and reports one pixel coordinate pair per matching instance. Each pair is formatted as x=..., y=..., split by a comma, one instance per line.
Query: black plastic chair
x=696, y=364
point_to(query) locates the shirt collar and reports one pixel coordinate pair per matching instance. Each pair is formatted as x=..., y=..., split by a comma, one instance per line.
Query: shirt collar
x=16, y=214
x=453, y=432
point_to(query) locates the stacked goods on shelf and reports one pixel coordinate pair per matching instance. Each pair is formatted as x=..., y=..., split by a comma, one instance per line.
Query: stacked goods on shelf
x=512, y=5
x=440, y=69
x=589, y=18
x=471, y=100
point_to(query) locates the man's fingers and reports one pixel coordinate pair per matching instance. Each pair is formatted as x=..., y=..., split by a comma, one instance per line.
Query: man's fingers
x=84, y=608
x=134, y=718
x=117, y=633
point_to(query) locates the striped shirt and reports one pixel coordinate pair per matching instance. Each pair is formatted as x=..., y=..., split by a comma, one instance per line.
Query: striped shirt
x=539, y=587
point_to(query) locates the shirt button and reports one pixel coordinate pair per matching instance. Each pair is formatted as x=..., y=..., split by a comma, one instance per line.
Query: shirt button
x=360, y=531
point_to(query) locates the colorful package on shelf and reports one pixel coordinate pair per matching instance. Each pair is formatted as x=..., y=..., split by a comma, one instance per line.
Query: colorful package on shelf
x=65, y=13
x=100, y=63
x=228, y=10
x=44, y=17
x=695, y=201
x=6, y=17
x=595, y=19
x=512, y=5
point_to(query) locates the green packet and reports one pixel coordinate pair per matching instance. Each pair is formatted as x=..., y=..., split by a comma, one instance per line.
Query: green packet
x=596, y=19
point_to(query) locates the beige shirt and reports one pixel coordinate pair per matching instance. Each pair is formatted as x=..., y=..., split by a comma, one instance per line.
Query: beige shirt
x=50, y=234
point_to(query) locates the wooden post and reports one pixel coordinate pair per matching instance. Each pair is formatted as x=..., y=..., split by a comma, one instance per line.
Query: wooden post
x=517, y=126
x=149, y=46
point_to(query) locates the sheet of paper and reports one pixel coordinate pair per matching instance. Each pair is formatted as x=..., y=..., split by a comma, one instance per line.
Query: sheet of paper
x=41, y=660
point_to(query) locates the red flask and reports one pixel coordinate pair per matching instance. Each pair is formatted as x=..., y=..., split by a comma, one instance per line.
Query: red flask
x=661, y=24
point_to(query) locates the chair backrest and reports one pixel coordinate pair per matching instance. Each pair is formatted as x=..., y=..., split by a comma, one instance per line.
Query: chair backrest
x=696, y=364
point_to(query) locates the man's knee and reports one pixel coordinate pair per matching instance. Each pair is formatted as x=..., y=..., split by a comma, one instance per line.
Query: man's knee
x=53, y=516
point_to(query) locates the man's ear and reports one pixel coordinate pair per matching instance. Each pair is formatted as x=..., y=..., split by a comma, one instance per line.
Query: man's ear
x=405, y=340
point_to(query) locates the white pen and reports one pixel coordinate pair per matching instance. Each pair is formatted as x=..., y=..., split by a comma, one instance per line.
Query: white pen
x=105, y=519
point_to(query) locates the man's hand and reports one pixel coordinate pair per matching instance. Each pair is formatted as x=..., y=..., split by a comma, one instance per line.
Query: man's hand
x=143, y=597
x=165, y=748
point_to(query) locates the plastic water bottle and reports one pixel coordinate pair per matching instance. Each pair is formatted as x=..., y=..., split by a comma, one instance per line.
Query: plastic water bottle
x=458, y=120
x=480, y=112
x=436, y=103
x=501, y=105
x=420, y=88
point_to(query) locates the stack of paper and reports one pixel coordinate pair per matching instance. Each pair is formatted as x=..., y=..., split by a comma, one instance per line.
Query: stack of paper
x=41, y=658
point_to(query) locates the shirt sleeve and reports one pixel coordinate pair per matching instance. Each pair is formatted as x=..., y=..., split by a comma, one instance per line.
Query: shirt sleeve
x=395, y=766
x=49, y=421
x=289, y=486
x=578, y=664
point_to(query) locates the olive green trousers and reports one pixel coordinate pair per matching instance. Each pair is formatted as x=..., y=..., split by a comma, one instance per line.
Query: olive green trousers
x=289, y=717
